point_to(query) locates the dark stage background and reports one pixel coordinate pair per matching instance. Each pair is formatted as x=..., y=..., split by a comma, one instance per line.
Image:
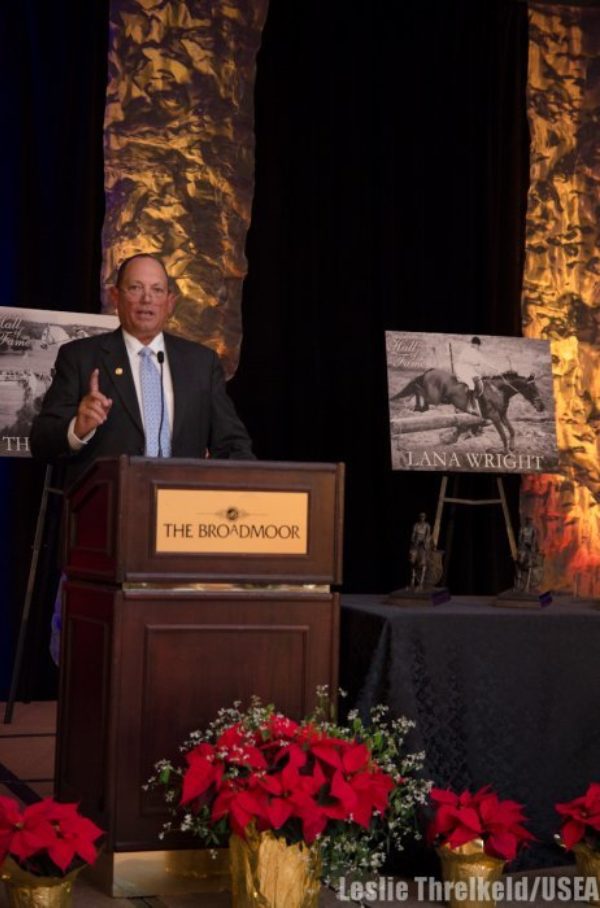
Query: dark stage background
x=391, y=179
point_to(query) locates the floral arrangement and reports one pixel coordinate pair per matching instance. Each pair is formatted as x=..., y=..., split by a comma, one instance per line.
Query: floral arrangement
x=581, y=819
x=351, y=789
x=46, y=838
x=466, y=817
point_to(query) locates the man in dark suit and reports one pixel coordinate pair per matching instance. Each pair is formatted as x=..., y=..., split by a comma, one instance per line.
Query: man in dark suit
x=97, y=404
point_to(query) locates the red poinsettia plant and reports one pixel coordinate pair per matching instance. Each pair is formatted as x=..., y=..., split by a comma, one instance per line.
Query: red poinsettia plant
x=46, y=838
x=345, y=787
x=581, y=819
x=467, y=817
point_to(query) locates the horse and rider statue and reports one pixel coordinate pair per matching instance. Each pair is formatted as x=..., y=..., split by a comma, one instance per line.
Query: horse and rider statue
x=489, y=398
x=529, y=563
x=424, y=558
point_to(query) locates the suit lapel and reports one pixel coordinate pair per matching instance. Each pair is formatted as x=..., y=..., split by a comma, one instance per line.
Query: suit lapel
x=118, y=371
x=180, y=377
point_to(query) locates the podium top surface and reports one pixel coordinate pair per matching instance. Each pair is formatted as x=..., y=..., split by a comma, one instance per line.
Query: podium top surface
x=127, y=462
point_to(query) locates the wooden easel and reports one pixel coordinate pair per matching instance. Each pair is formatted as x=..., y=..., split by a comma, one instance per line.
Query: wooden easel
x=35, y=557
x=444, y=498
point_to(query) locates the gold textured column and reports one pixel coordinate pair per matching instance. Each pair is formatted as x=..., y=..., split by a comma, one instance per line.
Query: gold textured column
x=179, y=152
x=561, y=290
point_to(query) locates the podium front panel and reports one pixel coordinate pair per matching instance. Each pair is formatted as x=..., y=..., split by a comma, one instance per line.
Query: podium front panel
x=144, y=520
x=143, y=669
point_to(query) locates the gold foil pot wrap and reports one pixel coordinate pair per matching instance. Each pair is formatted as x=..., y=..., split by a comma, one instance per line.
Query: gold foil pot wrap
x=198, y=863
x=25, y=890
x=465, y=865
x=588, y=864
x=268, y=873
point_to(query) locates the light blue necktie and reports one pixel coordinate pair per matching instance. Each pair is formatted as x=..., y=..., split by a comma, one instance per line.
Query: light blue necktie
x=151, y=401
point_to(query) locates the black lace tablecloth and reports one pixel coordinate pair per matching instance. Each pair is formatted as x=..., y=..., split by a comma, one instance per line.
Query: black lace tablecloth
x=501, y=697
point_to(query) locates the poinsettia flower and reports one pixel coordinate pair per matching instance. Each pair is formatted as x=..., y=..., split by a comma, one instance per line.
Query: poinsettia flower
x=308, y=733
x=310, y=736
x=502, y=845
x=241, y=806
x=234, y=736
x=310, y=813
x=290, y=777
x=343, y=792
x=582, y=815
x=241, y=747
x=456, y=819
x=369, y=792
x=32, y=832
x=278, y=812
x=462, y=818
x=74, y=834
x=496, y=814
x=307, y=783
x=327, y=753
x=502, y=820
x=457, y=824
x=314, y=781
x=293, y=790
x=372, y=790
x=282, y=727
x=293, y=754
x=203, y=771
x=355, y=757
x=10, y=818
x=272, y=784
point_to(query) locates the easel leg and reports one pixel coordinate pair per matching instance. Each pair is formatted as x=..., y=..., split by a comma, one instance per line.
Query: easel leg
x=449, y=538
x=439, y=510
x=507, y=521
x=443, y=499
x=35, y=555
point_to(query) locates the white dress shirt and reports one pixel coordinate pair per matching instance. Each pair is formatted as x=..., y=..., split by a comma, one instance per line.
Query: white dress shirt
x=133, y=347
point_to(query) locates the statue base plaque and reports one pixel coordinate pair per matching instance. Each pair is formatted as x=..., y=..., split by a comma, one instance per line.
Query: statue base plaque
x=521, y=599
x=410, y=597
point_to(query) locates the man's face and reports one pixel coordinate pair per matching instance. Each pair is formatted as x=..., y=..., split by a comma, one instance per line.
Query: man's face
x=142, y=299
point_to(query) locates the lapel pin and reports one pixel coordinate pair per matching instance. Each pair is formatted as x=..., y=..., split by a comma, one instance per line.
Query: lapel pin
x=118, y=371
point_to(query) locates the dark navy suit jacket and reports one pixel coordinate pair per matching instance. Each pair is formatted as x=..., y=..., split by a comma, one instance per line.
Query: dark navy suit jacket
x=204, y=417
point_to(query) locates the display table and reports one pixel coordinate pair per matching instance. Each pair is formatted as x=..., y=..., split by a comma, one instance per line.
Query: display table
x=500, y=697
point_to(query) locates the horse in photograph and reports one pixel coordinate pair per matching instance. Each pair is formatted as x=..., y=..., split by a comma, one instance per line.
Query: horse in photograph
x=436, y=386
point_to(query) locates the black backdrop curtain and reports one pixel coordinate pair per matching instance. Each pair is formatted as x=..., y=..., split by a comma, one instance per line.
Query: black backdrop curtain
x=392, y=168
x=52, y=78
x=392, y=164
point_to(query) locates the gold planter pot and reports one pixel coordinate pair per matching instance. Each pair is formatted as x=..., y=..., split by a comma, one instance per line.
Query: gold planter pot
x=463, y=867
x=24, y=890
x=268, y=873
x=588, y=865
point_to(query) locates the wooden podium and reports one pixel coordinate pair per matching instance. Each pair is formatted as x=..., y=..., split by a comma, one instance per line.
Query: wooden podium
x=190, y=584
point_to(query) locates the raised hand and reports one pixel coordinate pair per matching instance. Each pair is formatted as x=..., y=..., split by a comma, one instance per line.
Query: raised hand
x=93, y=409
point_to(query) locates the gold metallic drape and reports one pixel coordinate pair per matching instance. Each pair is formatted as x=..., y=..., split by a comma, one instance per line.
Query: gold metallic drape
x=561, y=292
x=179, y=152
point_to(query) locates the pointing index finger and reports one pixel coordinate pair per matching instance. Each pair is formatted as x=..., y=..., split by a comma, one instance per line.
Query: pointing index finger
x=94, y=382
